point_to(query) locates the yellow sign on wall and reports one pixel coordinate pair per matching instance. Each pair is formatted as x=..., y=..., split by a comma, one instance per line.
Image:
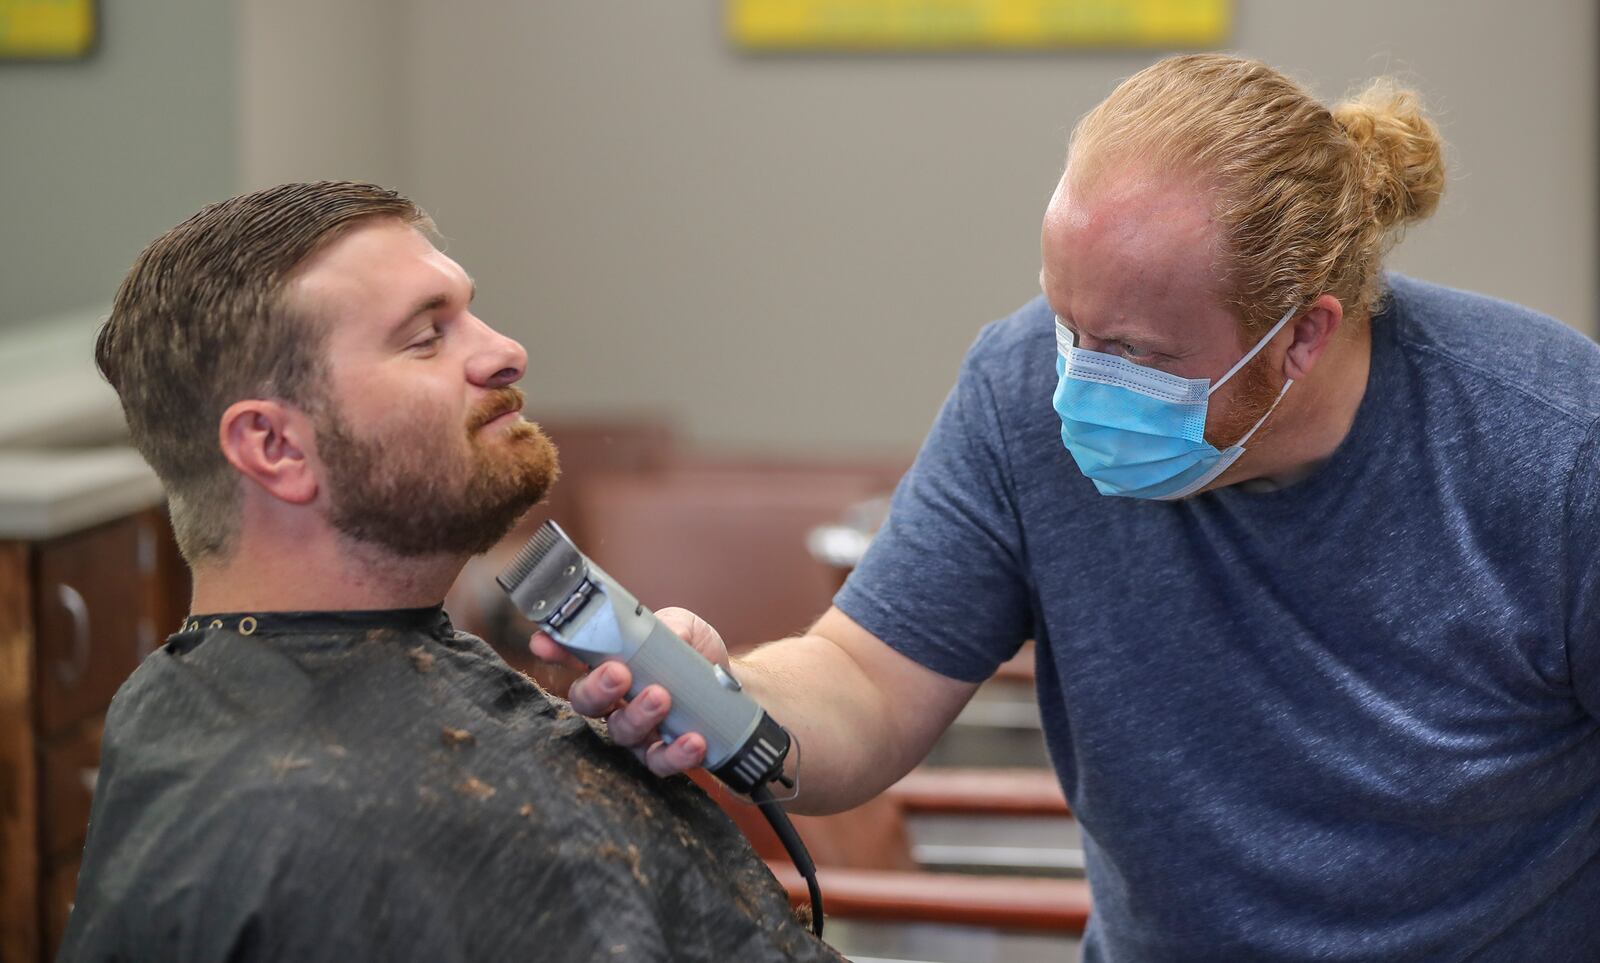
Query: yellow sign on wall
x=975, y=24
x=46, y=29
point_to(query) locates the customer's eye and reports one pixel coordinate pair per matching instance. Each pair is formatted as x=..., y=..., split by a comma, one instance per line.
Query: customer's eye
x=427, y=342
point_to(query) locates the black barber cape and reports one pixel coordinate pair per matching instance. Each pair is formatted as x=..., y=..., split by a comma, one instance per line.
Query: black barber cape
x=378, y=786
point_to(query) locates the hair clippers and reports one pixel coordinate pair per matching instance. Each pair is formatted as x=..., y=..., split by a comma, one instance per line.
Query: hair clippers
x=597, y=620
x=576, y=603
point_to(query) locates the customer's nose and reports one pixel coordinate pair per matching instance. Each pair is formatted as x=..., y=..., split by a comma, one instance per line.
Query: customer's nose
x=498, y=361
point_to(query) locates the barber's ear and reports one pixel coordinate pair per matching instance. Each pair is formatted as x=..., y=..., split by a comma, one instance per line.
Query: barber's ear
x=1313, y=332
x=269, y=443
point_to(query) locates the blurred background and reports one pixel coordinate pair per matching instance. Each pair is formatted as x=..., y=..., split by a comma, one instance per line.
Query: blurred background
x=745, y=278
x=784, y=252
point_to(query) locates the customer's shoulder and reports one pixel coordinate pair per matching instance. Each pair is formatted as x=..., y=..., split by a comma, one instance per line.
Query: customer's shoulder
x=1510, y=352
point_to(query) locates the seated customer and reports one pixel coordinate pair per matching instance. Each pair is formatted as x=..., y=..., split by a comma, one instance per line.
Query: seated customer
x=317, y=766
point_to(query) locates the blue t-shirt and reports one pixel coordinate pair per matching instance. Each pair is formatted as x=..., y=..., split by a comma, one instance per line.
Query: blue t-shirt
x=1354, y=718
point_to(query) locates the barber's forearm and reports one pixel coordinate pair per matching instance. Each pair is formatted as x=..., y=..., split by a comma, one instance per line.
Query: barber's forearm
x=850, y=747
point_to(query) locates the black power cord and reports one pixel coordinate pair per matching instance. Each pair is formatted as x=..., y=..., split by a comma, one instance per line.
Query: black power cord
x=773, y=810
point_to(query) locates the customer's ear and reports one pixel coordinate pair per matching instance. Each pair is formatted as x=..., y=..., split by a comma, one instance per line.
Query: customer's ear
x=268, y=443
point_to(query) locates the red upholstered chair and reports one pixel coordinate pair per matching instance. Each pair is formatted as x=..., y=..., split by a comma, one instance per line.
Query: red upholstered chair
x=726, y=540
x=588, y=450
x=866, y=870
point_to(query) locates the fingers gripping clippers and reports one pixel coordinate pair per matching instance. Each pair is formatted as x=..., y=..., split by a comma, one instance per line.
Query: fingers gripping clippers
x=592, y=616
x=597, y=620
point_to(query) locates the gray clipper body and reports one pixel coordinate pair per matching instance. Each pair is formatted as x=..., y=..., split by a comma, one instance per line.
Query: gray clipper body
x=592, y=616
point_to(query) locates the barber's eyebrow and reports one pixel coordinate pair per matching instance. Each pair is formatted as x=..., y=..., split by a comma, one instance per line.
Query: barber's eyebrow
x=1156, y=343
x=1149, y=342
x=1143, y=339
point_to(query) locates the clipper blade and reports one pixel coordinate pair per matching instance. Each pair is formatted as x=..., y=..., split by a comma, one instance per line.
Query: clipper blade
x=547, y=537
x=544, y=574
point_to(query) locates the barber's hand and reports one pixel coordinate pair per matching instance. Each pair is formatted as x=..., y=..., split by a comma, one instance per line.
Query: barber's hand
x=635, y=723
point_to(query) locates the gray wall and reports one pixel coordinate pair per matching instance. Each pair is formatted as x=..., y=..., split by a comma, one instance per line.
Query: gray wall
x=784, y=253
x=321, y=91
x=99, y=156
x=795, y=251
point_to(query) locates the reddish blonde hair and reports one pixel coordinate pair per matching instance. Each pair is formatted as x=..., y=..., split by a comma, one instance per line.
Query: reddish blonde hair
x=1309, y=199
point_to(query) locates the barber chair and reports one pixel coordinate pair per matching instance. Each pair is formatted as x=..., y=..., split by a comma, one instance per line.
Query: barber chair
x=726, y=539
x=881, y=896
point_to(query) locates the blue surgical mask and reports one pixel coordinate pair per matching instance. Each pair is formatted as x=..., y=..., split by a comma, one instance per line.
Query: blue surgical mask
x=1139, y=432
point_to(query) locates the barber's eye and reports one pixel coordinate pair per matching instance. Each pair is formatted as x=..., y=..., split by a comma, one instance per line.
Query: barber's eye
x=1133, y=350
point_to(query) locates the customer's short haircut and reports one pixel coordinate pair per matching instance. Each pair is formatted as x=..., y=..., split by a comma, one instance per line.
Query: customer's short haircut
x=204, y=319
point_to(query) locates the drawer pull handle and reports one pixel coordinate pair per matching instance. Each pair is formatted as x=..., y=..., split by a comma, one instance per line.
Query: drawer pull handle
x=70, y=672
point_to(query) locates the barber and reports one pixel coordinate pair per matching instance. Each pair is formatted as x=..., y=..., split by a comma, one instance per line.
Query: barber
x=1311, y=553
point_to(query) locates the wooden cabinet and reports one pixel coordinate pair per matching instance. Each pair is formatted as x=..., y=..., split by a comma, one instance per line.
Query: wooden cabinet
x=77, y=615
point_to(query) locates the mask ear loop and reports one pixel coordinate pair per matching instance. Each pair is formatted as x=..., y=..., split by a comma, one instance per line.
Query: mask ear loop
x=1285, y=390
x=1288, y=382
x=1239, y=445
x=1256, y=349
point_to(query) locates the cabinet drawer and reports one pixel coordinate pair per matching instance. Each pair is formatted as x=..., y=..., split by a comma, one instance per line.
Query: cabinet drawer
x=70, y=768
x=96, y=597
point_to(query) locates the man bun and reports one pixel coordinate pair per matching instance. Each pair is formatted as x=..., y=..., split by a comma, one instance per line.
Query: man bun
x=1401, y=152
x=1306, y=198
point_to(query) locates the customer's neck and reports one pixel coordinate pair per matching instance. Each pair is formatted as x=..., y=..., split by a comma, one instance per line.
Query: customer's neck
x=312, y=568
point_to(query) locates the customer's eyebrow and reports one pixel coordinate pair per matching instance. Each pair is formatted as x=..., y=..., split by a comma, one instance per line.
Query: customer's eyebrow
x=433, y=303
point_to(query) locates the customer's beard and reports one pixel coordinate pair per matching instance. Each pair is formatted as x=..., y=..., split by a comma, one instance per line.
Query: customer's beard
x=1257, y=390
x=413, y=495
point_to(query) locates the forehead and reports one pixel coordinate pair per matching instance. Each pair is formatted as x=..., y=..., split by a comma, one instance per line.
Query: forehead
x=1132, y=237
x=374, y=276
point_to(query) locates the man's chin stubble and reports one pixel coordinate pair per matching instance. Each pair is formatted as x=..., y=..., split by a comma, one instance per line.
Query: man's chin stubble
x=403, y=511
